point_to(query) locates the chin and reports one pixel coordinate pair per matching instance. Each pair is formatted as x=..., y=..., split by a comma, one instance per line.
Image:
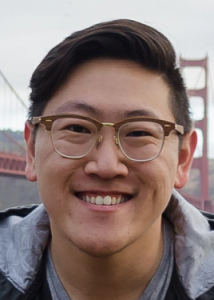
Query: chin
x=99, y=249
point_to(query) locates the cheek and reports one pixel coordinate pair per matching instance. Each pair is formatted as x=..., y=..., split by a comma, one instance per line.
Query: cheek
x=157, y=181
x=158, y=173
x=55, y=175
x=167, y=175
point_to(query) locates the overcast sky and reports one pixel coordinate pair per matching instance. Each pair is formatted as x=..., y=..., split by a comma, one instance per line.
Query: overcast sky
x=28, y=29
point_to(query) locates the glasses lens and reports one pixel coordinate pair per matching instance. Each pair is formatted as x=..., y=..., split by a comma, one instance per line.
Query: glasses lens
x=73, y=137
x=141, y=140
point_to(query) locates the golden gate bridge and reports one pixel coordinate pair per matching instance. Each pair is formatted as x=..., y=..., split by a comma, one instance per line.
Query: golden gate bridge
x=12, y=151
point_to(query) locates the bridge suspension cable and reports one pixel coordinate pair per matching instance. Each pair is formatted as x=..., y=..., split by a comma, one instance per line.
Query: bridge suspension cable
x=13, y=109
x=12, y=89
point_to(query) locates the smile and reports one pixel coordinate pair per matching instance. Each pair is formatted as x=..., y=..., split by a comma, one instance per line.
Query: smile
x=104, y=200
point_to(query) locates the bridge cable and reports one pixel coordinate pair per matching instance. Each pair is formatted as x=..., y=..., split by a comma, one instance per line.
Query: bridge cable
x=12, y=89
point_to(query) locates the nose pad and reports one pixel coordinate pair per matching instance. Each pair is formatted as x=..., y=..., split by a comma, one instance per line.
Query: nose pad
x=99, y=141
x=116, y=141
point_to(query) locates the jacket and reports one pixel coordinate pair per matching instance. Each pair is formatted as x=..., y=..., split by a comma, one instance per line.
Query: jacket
x=23, y=272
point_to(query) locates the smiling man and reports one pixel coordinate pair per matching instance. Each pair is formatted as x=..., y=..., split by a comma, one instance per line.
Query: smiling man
x=108, y=138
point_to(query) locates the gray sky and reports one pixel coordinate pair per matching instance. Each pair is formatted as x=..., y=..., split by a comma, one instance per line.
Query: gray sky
x=28, y=29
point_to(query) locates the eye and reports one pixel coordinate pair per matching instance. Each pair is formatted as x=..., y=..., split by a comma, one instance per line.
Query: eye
x=77, y=128
x=138, y=133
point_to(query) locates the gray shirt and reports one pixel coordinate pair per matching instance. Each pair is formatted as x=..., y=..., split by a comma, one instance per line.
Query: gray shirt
x=157, y=287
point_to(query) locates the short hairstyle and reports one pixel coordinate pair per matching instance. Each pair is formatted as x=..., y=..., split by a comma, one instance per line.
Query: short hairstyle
x=118, y=39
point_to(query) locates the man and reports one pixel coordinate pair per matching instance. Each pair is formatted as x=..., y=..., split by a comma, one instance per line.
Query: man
x=108, y=138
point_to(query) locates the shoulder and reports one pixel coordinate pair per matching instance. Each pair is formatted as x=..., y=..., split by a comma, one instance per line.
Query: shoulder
x=24, y=233
x=38, y=290
x=19, y=211
x=177, y=291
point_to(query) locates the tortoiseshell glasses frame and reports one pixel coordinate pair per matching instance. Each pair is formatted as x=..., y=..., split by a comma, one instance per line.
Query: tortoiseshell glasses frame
x=140, y=139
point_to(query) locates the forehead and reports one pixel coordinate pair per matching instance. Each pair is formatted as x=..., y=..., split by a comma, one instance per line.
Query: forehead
x=112, y=89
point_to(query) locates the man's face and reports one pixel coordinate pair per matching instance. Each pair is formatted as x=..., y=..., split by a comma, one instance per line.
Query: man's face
x=107, y=90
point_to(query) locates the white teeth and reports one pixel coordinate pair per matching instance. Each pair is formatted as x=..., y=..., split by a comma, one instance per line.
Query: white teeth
x=93, y=200
x=107, y=200
x=99, y=200
x=118, y=200
x=113, y=200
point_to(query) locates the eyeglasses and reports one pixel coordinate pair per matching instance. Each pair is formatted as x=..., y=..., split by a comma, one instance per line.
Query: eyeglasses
x=140, y=139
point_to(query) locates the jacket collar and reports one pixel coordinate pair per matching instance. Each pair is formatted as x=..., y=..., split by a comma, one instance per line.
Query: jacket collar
x=194, y=246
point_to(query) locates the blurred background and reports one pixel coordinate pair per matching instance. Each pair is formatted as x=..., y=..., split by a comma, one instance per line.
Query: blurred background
x=29, y=29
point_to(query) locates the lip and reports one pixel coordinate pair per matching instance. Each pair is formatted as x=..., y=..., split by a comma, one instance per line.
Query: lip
x=103, y=192
x=96, y=193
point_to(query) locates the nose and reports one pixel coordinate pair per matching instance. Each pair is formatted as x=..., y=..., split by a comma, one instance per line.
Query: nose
x=106, y=161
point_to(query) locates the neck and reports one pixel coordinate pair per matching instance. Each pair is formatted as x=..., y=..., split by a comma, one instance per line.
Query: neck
x=123, y=275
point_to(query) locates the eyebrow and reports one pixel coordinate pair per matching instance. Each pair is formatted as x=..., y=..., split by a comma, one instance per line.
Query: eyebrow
x=78, y=106
x=71, y=106
x=141, y=112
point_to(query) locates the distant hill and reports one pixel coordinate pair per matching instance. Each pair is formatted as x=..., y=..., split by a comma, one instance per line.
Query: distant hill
x=17, y=191
x=194, y=185
x=6, y=138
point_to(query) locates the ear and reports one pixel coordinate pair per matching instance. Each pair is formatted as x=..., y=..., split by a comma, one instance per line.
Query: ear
x=185, y=158
x=30, y=170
